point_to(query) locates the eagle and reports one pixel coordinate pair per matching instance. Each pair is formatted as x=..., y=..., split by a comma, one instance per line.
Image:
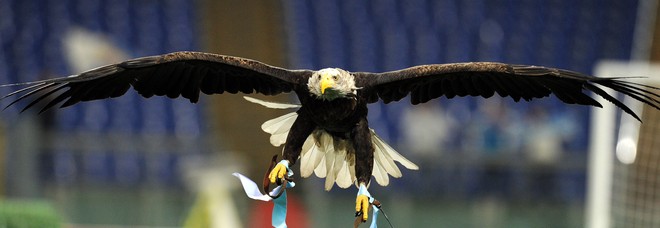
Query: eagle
x=329, y=132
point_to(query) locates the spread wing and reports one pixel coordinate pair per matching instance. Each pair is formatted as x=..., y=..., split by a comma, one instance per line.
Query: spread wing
x=485, y=79
x=175, y=74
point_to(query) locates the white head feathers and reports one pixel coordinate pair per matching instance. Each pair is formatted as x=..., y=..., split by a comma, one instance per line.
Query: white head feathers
x=332, y=83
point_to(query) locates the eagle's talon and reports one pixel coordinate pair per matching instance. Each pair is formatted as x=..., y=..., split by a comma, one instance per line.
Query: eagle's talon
x=278, y=172
x=362, y=207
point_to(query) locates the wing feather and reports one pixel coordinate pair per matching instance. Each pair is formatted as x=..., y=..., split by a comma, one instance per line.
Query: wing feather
x=635, y=92
x=184, y=74
x=448, y=89
x=520, y=82
x=55, y=101
x=483, y=87
x=35, y=101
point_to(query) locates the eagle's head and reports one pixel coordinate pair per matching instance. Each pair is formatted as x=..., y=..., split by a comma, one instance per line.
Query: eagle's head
x=332, y=83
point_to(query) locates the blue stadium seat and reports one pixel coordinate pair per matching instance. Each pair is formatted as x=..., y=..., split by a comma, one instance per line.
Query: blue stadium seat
x=31, y=48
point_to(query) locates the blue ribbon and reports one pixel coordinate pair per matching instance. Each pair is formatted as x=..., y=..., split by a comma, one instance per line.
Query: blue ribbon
x=374, y=215
x=279, y=208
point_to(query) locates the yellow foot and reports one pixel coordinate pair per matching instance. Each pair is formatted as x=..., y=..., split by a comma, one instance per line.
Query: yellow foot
x=362, y=206
x=278, y=172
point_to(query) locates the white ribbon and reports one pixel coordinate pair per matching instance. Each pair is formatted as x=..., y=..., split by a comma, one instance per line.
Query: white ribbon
x=279, y=208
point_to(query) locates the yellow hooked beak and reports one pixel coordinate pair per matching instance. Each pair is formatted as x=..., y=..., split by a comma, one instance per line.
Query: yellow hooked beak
x=326, y=82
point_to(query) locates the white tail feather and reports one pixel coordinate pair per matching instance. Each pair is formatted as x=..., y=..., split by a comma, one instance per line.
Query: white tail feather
x=323, y=143
x=316, y=159
x=278, y=124
x=279, y=128
x=391, y=152
x=278, y=139
x=380, y=174
x=340, y=158
x=321, y=170
x=273, y=105
x=320, y=156
x=330, y=174
x=386, y=161
x=344, y=178
x=311, y=157
x=334, y=164
x=307, y=154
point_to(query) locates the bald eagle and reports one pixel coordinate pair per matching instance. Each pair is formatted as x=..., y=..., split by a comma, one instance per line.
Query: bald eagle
x=330, y=127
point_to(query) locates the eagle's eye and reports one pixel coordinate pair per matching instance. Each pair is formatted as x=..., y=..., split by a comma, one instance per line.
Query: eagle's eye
x=319, y=77
x=335, y=78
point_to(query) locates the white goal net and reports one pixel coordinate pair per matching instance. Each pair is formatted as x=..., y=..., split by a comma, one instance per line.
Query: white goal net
x=624, y=165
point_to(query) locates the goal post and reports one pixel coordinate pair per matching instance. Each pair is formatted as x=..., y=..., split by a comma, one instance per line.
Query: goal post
x=623, y=174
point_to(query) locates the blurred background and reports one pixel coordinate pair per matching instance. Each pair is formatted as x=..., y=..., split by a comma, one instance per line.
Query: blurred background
x=168, y=163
